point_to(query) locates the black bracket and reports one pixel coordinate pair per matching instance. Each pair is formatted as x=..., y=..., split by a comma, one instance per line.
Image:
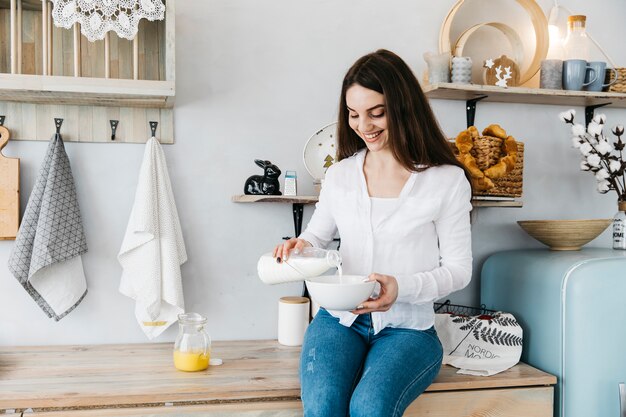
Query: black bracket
x=58, y=122
x=153, y=128
x=589, y=110
x=114, y=124
x=470, y=109
x=2, y=120
x=298, y=210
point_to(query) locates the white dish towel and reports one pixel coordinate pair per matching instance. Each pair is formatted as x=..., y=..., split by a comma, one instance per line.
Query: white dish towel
x=153, y=248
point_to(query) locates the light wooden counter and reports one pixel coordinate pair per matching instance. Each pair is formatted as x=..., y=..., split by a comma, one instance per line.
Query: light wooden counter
x=257, y=378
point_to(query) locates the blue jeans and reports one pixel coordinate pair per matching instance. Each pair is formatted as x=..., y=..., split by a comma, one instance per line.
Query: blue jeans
x=350, y=371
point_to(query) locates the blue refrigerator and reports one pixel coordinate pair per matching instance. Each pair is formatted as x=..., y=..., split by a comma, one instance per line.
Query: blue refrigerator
x=572, y=308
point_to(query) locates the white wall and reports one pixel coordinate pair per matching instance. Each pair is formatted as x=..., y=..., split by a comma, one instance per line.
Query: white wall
x=254, y=80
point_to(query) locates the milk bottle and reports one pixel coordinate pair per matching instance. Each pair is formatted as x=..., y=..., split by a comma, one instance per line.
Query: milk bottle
x=307, y=263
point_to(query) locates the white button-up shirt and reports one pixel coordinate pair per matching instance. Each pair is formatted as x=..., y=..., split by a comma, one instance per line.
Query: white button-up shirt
x=425, y=242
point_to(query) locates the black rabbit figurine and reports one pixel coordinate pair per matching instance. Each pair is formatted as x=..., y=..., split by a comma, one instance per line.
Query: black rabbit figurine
x=266, y=184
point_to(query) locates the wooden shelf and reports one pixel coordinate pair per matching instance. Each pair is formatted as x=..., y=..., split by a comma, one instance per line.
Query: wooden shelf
x=449, y=91
x=52, y=89
x=497, y=203
x=313, y=199
x=294, y=199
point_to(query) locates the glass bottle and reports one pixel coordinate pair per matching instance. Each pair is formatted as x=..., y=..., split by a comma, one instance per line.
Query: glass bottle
x=576, y=44
x=192, y=349
x=299, y=266
x=619, y=227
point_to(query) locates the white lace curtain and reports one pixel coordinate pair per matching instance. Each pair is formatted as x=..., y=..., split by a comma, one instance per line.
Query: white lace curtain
x=97, y=17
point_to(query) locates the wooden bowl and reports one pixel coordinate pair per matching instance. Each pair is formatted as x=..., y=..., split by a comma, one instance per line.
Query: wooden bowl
x=565, y=234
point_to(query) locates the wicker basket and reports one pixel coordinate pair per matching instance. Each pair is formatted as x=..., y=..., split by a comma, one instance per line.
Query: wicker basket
x=487, y=151
x=620, y=84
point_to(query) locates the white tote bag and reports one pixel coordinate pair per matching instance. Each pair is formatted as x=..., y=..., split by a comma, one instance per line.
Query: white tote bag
x=481, y=344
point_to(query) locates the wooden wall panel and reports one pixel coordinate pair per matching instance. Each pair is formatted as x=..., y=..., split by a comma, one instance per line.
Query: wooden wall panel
x=5, y=41
x=28, y=121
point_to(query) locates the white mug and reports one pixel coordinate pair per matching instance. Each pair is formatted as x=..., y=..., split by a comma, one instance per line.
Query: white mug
x=293, y=320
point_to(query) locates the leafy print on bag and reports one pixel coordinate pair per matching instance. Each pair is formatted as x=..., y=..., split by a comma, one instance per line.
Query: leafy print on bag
x=497, y=337
x=474, y=326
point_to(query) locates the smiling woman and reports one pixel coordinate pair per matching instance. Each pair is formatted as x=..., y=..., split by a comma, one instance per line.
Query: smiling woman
x=400, y=201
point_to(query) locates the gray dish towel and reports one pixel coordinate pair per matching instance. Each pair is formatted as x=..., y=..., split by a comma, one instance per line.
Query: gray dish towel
x=46, y=258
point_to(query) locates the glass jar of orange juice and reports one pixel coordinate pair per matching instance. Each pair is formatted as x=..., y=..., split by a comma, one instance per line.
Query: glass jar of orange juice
x=192, y=349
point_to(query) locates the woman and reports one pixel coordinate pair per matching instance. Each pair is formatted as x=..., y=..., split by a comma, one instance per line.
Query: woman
x=400, y=201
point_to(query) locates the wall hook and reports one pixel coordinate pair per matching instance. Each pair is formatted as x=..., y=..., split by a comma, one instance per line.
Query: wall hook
x=153, y=127
x=58, y=122
x=114, y=124
x=2, y=120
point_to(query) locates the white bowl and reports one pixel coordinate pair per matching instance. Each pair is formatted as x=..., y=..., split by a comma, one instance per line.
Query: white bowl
x=345, y=293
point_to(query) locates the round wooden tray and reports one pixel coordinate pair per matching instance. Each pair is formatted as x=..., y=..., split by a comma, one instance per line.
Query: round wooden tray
x=511, y=35
x=540, y=25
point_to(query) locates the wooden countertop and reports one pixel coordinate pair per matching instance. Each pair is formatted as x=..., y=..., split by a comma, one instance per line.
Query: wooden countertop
x=81, y=377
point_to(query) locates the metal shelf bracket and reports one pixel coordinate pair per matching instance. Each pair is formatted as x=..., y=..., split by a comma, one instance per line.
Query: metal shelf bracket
x=470, y=109
x=589, y=110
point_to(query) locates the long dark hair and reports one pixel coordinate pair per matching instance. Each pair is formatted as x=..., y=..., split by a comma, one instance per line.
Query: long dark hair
x=415, y=137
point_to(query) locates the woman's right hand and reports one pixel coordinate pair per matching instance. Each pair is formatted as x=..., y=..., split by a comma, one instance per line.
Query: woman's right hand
x=281, y=252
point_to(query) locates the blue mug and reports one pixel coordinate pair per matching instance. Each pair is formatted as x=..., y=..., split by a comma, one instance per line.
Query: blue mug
x=600, y=68
x=575, y=73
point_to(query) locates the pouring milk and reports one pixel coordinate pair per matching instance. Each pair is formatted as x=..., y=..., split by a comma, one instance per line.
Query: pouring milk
x=307, y=263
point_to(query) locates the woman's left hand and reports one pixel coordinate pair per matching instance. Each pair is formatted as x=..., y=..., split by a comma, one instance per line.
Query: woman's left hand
x=386, y=297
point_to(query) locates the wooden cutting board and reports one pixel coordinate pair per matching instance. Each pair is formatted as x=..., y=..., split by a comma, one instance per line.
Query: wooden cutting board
x=9, y=191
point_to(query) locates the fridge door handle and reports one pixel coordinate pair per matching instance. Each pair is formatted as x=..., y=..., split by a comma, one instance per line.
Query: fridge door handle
x=622, y=400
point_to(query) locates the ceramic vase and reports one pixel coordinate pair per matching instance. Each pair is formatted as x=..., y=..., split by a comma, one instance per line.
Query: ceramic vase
x=461, y=70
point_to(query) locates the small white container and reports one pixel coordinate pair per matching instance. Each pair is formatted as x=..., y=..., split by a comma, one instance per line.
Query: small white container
x=293, y=320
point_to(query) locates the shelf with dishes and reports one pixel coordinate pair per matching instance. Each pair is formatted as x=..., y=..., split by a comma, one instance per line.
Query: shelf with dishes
x=451, y=91
x=472, y=93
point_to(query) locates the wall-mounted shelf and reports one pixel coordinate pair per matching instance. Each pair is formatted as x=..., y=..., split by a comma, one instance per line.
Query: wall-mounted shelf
x=477, y=202
x=300, y=200
x=487, y=93
x=83, y=91
x=449, y=91
x=297, y=201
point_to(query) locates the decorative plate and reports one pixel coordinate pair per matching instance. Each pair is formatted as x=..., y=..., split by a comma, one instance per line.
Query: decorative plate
x=320, y=151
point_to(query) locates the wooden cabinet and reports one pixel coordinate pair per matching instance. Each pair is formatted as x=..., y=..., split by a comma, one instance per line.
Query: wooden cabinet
x=48, y=72
x=257, y=378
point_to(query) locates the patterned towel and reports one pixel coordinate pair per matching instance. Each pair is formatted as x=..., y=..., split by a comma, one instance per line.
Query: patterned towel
x=153, y=248
x=46, y=258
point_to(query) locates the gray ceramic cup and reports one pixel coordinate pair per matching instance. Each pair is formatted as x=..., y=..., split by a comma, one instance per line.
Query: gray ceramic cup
x=551, y=74
x=600, y=68
x=574, y=72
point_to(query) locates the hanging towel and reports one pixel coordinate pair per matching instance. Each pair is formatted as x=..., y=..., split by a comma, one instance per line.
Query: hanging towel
x=153, y=248
x=46, y=258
